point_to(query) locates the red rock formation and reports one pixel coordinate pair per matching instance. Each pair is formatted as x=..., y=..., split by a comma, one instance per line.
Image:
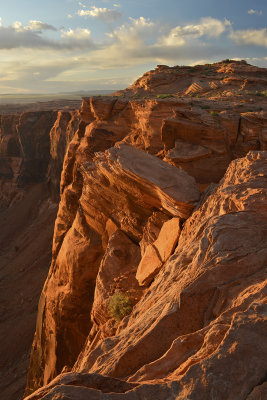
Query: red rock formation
x=157, y=253
x=199, y=330
x=84, y=382
x=128, y=196
x=82, y=219
x=226, y=78
x=25, y=241
x=61, y=134
x=29, y=189
x=24, y=151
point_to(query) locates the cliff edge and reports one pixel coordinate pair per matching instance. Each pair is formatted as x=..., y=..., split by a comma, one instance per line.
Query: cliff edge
x=157, y=284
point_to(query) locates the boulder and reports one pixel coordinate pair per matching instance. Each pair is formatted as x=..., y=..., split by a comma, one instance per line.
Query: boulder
x=130, y=184
x=157, y=254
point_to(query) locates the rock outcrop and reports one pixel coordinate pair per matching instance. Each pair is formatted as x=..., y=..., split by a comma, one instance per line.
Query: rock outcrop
x=162, y=202
x=24, y=153
x=32, y=149
x=128, y=189
x=157, y=253
x=200, y=328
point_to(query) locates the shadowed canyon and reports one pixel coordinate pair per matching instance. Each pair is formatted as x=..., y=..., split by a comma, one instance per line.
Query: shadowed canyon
x=133, y=241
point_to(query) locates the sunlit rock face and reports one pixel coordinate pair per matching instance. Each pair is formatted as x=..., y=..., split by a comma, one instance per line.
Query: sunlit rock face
x=202, y=320
x=162, y=199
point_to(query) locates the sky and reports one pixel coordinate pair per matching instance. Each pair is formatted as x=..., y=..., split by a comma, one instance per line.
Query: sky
x=51, y=46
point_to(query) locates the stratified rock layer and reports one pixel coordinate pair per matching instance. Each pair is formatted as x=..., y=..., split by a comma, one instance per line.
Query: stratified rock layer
x=200, y=329
x=124, y=185
x=157, y=253
x=32, y=149
x=128, y=184
x=197, y=286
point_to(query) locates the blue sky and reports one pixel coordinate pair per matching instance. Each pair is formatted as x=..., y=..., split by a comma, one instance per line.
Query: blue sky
x=65, y=45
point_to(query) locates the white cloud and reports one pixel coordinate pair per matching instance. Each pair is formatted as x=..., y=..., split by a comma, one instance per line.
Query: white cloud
x=104, y=14
x=174, y=38
x=39, y=26
x=16, y=36
x=142, y=41
x=210, y=27
x=141, y=22
x=73, y=59
x=79, y=33
x=134, y=32
x=256, y=37
x=77, y=39
x=31, y=37
x=256, y=12
x=33, y=25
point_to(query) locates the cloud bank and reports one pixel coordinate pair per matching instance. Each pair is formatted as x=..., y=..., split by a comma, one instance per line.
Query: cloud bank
x=255, y=37
x=31, y=36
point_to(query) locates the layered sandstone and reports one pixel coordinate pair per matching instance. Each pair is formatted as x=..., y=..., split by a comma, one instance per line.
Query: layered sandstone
x=132, y=219
x=32, y=149
x=128, y=188
x=223, y=79
x=200, y=328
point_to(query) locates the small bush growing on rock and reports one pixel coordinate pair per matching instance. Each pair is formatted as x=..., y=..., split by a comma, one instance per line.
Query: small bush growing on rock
x=119, y=306
x=214, y=113
x=164, y=96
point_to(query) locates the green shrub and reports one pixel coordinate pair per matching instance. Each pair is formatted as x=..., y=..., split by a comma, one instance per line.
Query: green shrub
x=119, y=306
x=164, y=96
x=205, y=107
x=214, y=113
x=257, y=93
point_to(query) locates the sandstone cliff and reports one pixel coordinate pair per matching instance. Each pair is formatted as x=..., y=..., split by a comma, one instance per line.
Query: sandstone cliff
x=199, y=330
x=32, y=149
x=163, y=198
